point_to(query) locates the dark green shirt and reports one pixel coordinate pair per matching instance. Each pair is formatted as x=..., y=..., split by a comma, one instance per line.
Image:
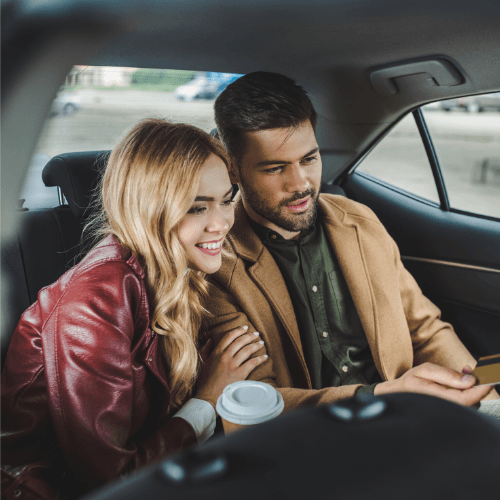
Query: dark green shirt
x=335, y=346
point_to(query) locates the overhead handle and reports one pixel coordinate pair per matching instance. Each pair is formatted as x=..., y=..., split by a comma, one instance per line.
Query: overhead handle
x=441, y=73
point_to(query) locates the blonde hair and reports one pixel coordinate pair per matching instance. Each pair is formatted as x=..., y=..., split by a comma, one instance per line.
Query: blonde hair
x=149, y=184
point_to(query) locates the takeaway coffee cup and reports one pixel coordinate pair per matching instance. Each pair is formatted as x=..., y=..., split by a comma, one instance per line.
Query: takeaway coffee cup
x=248, y=403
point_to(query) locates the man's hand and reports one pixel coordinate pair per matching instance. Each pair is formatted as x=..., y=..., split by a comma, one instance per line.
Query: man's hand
x=438, y=381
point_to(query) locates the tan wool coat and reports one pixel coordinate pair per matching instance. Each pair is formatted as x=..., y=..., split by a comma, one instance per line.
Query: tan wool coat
x=402, y=326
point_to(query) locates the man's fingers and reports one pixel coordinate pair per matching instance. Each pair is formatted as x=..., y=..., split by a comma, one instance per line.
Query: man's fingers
x=446, y=377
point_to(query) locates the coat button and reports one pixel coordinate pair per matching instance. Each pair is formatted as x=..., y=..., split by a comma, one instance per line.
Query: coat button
x=153, y=334
x=325, y=334
x=345, y=368
x=315, y=288
x=273, y=236
x=150, y=360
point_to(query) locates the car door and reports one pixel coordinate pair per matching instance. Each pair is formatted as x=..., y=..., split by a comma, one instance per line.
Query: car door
x=434, y=182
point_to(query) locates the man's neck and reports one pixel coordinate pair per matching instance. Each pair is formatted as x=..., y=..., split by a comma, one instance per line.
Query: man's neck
x=266, y=223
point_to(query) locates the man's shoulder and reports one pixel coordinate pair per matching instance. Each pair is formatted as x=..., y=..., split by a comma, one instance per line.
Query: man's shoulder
x=346, y=210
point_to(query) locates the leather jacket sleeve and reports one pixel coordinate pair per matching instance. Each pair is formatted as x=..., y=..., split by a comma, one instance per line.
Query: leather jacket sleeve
x=95, y=356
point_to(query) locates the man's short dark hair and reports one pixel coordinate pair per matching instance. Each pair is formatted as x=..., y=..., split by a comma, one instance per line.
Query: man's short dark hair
x=260, y=101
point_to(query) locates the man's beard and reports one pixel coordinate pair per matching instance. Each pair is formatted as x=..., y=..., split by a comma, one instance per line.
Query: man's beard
x=291, y=222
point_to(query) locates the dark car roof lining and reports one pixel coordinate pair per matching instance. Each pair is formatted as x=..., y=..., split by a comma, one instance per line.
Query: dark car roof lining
x=328, y=46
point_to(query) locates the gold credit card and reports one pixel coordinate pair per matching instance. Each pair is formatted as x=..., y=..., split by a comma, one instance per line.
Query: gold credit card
x=487, y=370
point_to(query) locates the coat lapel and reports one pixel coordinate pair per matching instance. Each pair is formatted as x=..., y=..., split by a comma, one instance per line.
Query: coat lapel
x=266, y=275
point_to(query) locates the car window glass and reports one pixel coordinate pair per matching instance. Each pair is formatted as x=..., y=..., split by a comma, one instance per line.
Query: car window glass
x=400, y=159
x=466, y=136
x=97, y=105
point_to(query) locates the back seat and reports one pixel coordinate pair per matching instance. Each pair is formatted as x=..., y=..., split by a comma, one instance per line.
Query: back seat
x=49, y=241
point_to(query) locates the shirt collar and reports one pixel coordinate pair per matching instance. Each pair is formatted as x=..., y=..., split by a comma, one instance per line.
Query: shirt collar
x=267, y=235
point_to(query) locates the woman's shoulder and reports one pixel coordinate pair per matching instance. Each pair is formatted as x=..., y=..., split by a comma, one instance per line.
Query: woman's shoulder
x=107, y=270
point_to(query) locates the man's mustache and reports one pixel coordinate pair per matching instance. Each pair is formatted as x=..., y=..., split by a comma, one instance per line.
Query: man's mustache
x=299, y=196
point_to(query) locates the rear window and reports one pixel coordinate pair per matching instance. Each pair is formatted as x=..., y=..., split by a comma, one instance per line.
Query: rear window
x=98, y=104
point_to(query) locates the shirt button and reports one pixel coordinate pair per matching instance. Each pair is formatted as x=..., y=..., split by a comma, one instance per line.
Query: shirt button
x=315, y=288
x=325, y=334
x=150, y=360
x=345, y=368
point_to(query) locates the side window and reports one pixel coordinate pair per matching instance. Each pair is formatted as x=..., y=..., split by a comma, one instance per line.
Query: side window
x=465, y=133
x=400, y=159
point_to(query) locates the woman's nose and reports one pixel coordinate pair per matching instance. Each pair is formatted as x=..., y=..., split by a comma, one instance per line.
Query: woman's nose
x=217, y=222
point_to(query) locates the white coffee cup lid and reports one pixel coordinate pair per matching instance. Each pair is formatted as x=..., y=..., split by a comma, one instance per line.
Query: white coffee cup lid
x=248, y=402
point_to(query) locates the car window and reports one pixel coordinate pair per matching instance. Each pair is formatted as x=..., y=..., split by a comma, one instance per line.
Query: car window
x=465, y=133
x=97, y=104
x=400, y=159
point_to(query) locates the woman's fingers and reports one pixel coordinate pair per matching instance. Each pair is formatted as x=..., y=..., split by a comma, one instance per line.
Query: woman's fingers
x=241, y=342
x=245, y=352
x=231, y=336
x=246, y=368
x=206, y=350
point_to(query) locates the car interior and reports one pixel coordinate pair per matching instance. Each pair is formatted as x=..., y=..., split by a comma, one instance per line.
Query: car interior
x=369, y=66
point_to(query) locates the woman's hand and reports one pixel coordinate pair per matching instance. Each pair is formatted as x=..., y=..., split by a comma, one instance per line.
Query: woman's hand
x=229, y=362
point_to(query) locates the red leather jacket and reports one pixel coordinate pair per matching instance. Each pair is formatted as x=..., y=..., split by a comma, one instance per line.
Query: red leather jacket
x=84, y=388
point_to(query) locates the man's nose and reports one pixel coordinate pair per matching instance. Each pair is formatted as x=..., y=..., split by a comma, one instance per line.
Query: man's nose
x=217, y=222
x=297, y=179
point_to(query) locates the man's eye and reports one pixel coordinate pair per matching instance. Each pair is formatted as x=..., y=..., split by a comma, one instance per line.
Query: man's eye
x=309, y=159
x=196, y=210
x=274, y=170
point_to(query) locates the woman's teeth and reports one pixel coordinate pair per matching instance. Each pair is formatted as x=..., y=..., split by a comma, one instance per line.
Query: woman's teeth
x=210, y=246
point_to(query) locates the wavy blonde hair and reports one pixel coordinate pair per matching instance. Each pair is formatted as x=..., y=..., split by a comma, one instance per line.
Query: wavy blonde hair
x=149, y=184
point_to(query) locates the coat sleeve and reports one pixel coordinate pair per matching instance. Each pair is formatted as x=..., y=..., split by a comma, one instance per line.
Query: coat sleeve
x=227, y=314
x=433, y=340
x=87, y=346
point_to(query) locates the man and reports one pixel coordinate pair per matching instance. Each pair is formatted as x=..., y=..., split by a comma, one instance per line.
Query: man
x=318, y=275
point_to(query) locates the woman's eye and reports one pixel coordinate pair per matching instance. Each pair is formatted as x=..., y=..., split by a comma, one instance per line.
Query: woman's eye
x=228, y=202
x=196, y=210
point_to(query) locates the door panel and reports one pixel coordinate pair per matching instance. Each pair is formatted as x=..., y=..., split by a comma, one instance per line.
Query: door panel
x=468, y=297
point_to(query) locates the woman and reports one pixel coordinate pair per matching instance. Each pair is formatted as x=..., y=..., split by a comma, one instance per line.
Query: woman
x=100, y=375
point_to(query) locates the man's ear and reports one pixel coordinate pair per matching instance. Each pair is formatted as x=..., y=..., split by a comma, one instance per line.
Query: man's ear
x=234, y=174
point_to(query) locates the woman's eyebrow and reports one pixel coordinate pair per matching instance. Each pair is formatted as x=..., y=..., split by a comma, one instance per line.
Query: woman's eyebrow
x=211, y=198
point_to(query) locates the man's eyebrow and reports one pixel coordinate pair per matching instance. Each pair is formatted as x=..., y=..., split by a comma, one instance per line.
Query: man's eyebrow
x=282, y=162
x=211, y=198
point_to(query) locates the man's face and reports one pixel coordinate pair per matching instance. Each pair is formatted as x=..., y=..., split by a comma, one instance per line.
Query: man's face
x=280, y=177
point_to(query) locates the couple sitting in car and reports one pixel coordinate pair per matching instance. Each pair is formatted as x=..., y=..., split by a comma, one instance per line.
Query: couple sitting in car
x=106, y=371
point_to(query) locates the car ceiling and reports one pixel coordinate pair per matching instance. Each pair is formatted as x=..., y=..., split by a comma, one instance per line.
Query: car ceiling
x=330, y=46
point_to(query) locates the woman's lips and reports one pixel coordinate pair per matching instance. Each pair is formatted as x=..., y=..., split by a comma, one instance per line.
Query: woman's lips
x=300, y=207
x=210, y=251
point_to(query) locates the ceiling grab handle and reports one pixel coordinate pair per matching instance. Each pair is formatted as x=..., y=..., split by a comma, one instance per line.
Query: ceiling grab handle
x=441, y=73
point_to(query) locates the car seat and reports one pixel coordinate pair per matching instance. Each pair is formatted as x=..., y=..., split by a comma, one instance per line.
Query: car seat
x=49, y=241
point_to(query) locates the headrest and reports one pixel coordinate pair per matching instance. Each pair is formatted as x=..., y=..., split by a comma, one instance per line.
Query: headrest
x=76, y=174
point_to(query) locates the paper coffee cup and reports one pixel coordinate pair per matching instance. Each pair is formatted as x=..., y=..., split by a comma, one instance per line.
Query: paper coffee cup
x=248, y=403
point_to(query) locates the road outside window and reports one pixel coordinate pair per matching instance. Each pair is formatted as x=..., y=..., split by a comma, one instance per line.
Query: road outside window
x=97, y=105
x=400, y=159
x=466, y=135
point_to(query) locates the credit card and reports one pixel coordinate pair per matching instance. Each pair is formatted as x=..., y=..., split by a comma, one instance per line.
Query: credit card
x=487, y=371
